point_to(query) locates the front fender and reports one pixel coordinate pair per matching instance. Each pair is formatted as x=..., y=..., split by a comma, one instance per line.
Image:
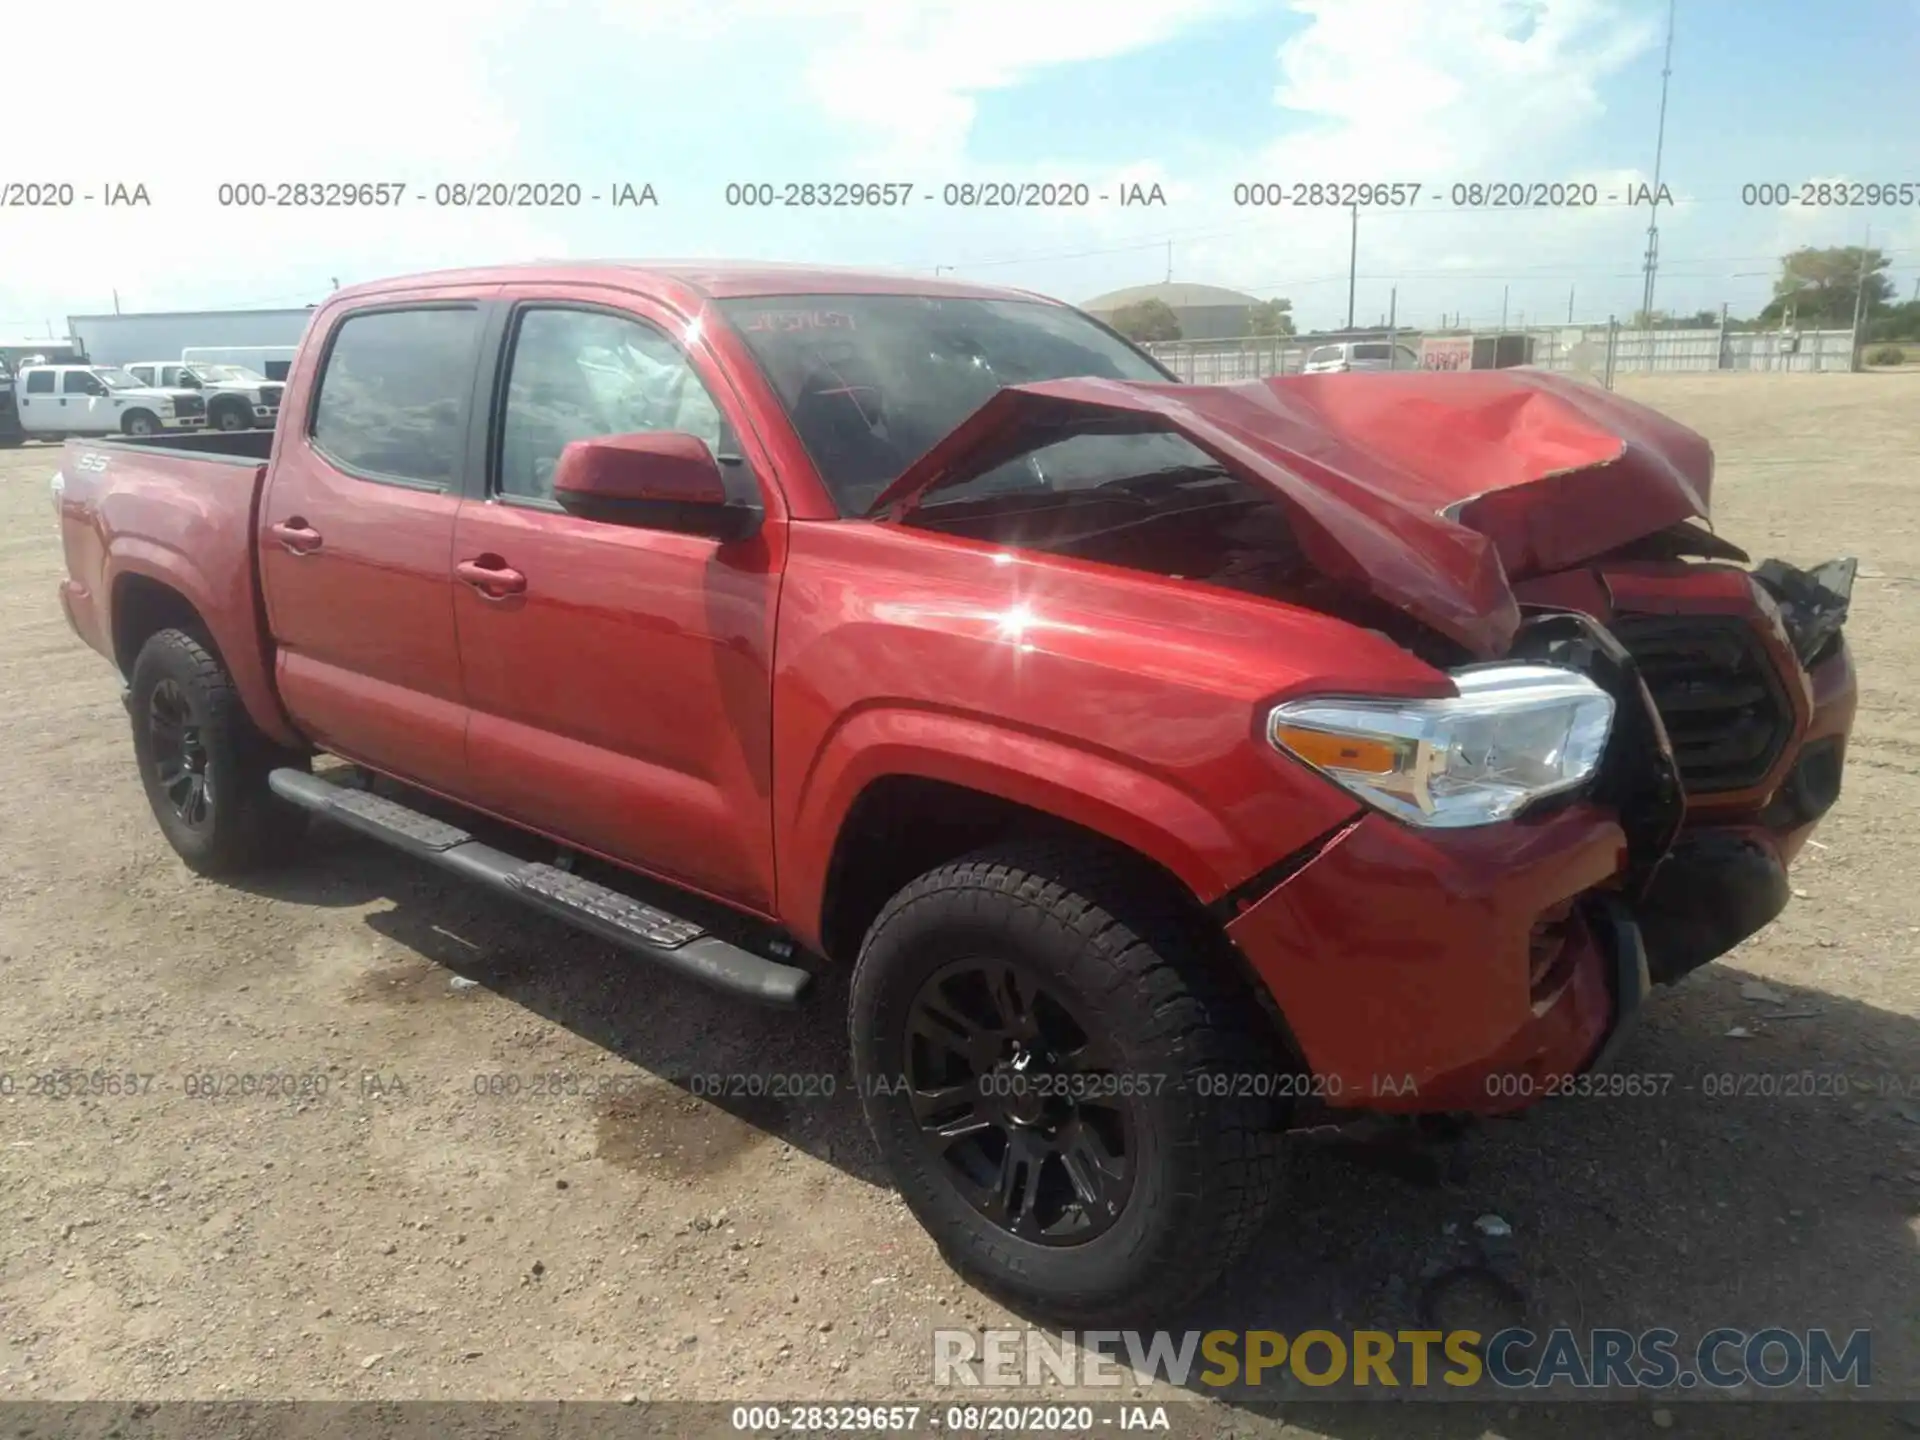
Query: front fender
x=1099, y=792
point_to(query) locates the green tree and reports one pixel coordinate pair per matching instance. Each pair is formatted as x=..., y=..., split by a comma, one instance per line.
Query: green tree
x=1145, y=321
x=1896, y=322
x=1271, y=317
x=1819, y=287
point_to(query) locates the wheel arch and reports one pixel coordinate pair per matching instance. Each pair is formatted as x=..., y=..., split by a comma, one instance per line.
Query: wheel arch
x=150, y=589
x=902, y=825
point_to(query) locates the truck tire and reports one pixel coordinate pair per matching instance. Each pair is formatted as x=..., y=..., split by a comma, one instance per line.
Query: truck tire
x=203, y=763
x=231, y=415
x=140, y=422
x=1037, y=1049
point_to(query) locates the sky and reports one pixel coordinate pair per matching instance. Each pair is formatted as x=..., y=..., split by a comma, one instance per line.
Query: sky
x=1192, y=96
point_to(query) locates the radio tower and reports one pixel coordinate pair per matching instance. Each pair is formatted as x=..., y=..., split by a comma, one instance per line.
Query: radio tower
x=1659, y=146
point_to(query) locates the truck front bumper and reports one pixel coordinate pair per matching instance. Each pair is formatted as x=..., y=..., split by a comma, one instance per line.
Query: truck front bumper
x=1422, y=972
x=1482, y=970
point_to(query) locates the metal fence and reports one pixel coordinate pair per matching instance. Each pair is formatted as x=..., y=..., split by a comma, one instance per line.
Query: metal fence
x=1603, y=351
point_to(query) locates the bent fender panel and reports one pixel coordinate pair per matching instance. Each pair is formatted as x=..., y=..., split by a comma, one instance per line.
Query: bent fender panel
x=1144, y=812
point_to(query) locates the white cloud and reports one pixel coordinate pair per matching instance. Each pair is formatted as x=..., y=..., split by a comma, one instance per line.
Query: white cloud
x=182, y=103
x=422, y=90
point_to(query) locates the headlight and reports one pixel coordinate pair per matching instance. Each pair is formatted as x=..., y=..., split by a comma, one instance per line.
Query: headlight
x=1513, y=734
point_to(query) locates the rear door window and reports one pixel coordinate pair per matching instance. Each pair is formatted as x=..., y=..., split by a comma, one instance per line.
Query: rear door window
x=394, y=394
x=40, y=382
x=1372, y=352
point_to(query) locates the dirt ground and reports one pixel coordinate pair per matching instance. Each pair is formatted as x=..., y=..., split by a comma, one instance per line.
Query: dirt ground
x=407, y=1234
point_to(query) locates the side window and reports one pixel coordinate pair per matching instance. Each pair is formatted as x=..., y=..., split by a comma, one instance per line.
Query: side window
x=40, y=382
x=172, y=376
x=1372, y=352
x=393, y=396
x=142, y=373
x=575, y=374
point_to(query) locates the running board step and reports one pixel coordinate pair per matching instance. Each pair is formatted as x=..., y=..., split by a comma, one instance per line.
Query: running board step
x=645, y=930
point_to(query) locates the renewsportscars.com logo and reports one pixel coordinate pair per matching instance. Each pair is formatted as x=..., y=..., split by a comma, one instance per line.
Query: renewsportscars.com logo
x=1513, y=1359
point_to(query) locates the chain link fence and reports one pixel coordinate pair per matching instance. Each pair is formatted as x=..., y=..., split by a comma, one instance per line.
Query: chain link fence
x=1602, y=351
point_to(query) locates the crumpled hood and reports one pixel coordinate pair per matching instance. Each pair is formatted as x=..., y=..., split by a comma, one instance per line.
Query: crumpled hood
x=1429, y=490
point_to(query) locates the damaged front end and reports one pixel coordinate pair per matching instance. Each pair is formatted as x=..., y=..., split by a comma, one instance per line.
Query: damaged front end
x=1473, y=518
x=1757, y=696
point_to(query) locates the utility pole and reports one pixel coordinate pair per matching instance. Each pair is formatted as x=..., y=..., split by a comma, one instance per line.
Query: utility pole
x=1503, y=305
x=1353, y=259
x=116, y=302
x=1569, y=304
x=1659, y=152
x=1860, y=297
x=1169, y=262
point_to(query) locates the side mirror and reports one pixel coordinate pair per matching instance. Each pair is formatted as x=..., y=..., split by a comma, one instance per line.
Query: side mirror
x=664, y=479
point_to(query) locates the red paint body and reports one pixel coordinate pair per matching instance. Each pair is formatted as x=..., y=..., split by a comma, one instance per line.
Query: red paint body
x=708, y=712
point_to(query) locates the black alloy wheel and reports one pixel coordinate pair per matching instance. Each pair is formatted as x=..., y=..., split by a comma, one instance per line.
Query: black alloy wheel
x=178, y=755
x=202, y=763
x=1042, y=1035
x=1019, y=1103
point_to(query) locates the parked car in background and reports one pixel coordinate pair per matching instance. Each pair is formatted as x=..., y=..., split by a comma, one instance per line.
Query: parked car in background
x=59, y=400
x=1359, y=355
x=272, y=361
x=10, y=432
x=237, y=398
x=1171, y=766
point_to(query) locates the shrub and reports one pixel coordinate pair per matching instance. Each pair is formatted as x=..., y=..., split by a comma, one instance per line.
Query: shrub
x=1887, y=355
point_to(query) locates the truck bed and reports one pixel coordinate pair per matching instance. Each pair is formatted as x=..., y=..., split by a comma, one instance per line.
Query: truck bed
x=249, y=447
x=174, y=511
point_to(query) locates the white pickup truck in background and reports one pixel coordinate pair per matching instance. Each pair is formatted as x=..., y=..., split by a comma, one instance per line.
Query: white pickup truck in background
x=55, y=401
x=237, y=398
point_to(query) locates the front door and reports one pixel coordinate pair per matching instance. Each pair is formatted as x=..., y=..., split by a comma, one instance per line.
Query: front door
x=357, y=530
x=84, y=408
x=619, y=678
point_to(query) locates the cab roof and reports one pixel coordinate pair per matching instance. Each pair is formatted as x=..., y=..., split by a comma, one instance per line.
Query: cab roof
x=695, y=280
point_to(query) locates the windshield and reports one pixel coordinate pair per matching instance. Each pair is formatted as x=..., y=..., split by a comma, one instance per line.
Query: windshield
x=871, y=382
x=228, y=374
x=117, y=380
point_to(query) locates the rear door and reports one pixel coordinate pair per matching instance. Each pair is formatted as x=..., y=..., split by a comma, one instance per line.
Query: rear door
x=39, y=401
x=620, y=678
x=357, y=529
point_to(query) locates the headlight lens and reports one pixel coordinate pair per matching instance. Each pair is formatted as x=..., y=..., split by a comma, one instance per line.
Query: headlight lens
x=1513, y=734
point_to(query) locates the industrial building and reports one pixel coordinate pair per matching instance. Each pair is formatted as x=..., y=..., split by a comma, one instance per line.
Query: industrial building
x=163, y=334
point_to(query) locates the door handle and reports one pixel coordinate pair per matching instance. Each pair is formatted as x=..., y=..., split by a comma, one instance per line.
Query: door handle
x=491, y=576
x=295, y=536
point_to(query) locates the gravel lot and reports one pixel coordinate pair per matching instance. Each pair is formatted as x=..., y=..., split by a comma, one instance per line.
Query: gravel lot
x=403, y=1235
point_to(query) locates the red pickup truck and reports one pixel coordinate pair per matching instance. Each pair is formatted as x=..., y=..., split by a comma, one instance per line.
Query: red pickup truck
x=1172, y=765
